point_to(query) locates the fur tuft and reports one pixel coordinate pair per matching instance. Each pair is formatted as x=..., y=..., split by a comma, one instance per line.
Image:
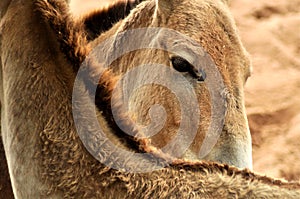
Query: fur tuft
x=70, y=34
x=72, y=39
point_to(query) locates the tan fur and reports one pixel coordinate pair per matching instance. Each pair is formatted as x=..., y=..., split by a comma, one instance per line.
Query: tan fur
x=46, y=159
x=219, y=38
x=101, y=20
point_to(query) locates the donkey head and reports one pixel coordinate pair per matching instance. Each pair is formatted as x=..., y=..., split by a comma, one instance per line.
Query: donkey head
x=183, y=79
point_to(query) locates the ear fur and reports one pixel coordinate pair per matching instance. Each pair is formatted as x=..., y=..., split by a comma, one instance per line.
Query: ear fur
x=163, y=9
x=167, y=5
x=3, y=7
x=102, y=20
x=73, y=43
x=226, y=1
x=164, y=5
x=73, y=36
x=70, y=34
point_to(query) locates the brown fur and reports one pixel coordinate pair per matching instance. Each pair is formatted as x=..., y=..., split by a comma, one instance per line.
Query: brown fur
x=70, y=34
x=228, y=54
x=102, y=20
x=72, y=37
x=46, y=157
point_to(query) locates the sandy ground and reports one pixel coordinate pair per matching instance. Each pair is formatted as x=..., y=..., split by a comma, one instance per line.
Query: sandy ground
x=80, y=8
x=270, y=31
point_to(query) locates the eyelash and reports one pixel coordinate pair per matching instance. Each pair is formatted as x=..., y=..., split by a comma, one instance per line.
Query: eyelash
x=182, y=65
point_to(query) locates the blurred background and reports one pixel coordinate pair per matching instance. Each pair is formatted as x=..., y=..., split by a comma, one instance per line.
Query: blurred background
x=270, y=31
x=80, y=7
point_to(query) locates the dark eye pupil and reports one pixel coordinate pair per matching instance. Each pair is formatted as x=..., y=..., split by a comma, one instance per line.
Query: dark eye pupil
x=180, y=64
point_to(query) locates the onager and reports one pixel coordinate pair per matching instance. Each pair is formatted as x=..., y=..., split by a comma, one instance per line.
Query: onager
x=42, y=49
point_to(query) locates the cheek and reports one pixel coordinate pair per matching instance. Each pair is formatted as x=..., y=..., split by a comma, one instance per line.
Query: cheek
x=204, y=100
x=159, y=110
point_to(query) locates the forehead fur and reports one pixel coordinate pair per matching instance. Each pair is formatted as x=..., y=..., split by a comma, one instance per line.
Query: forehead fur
x=167, y=6
x=208, y=22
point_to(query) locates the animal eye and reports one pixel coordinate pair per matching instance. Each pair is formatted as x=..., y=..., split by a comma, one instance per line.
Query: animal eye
x=180, y=64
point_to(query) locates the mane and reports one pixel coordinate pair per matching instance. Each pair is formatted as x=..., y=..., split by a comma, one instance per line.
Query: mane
x=73, y=37
x=232, y=171
x=70, y=34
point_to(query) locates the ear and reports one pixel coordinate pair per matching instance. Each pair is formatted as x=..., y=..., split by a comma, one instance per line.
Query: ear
x=226, y=2
x=164, y=5
x=163, y=9
x=101, y=20
x=69, y=33
x=3, y=7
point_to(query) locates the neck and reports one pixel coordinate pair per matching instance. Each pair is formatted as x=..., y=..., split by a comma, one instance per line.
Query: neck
x=3, y=7
x=27, y=68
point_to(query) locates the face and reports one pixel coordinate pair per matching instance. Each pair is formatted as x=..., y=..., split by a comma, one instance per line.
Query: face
x=186, y=90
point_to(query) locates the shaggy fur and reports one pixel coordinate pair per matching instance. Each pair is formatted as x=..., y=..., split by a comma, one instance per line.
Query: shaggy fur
x=72, y=37
x=70, y=34
x=46, y=158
